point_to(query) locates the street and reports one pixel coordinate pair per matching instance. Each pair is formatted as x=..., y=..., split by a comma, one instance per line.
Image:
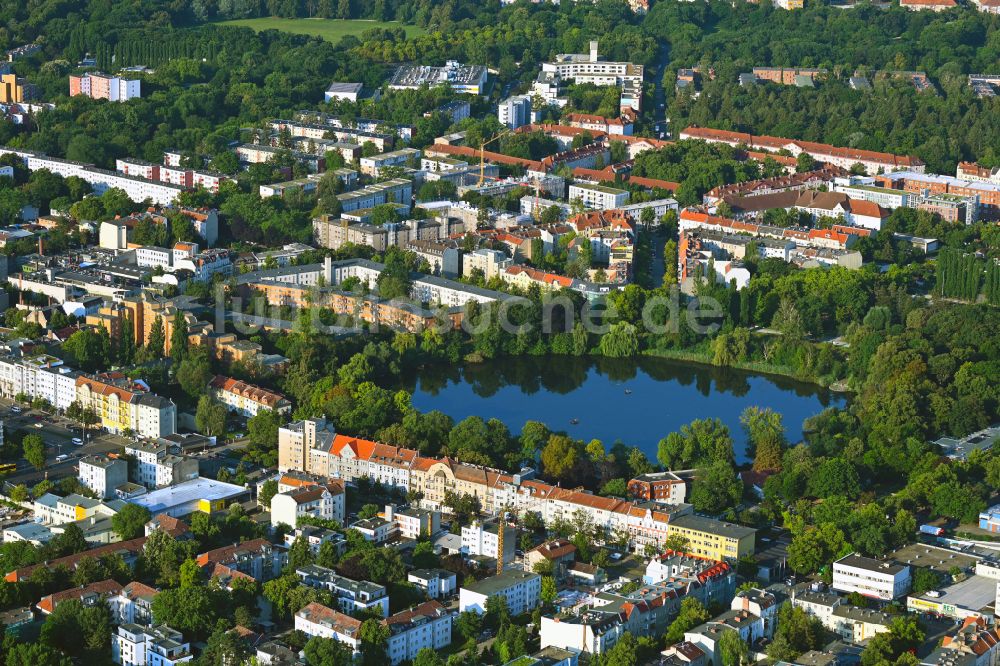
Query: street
x=57, y=432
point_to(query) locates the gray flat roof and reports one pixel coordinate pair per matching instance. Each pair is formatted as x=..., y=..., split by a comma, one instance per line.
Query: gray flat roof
x=973, y=593
x=704, y=524
x=500, y=582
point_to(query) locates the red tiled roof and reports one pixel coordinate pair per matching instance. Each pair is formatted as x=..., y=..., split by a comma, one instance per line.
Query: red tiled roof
x=226, y=553
x=104, y=588
x=131, y=547
x=777, y=143
x=338, y=622
x=255, y=393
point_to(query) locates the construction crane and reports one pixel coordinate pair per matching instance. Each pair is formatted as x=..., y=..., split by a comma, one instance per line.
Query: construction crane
x=482, y=154
x=507, y=517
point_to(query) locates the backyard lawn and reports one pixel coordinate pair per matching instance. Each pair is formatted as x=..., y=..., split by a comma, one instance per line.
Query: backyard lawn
x=329, y=29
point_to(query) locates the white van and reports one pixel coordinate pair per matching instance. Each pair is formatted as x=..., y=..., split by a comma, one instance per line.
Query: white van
x=62, y=457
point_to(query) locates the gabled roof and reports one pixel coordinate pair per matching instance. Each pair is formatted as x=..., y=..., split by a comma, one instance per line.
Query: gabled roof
x=104, y=588
x=339, y=622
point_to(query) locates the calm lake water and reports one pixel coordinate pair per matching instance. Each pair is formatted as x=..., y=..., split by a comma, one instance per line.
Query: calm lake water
x=664, y=395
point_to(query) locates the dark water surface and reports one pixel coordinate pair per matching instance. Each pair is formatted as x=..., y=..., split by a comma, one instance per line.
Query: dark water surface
x=662, y=396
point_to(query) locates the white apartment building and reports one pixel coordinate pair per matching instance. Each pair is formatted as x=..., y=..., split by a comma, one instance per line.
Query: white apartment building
x=413, y=522
x=317, y=620
x=515, y=111
x=42, y=377
x=353, y=596
x=436, y=583
x=153, y=257
x=520, y=589
x=137, y=189
x=491, y=262
x=156, y=467
x=589, y=68
x=103, y=474
x=397, y=190
x=133, y=645
x=599, y=197
x=871, y=578
x=484, y=541
x=325, y=501
x=372, y=166
x=427, y=625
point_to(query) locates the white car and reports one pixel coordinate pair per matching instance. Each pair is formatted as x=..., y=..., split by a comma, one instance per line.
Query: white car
x=77, y=441
x=39, y=424
x=15, y=410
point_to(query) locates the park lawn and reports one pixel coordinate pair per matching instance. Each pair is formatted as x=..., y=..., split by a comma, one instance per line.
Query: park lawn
x=329, y=29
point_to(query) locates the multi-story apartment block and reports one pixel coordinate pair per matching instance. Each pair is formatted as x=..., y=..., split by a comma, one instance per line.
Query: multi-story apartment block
x=515, y=111
x=98, y=85
x=436, y=583
x=325, y=501
x=884, y=580
x=589, y=68
x=372, y=166
x=520, y=590
x=100, y=180
x=413, y=522
x=663, y=487
x=12, y=89
x=103, y=474
x=397, y=191
x=492, y=263
x=316, y=537
x=622, y=126
x=157, y=467
x=317, y=620
x=427, y=625
x=257, y=559
x=135, y=645
x=873, y=162
x=39, y=377
x=126, y=405
x=600, y=197
x=246, y=399
x=352, y=596
x=134, y=604
x=350, y=458
x=484, y=540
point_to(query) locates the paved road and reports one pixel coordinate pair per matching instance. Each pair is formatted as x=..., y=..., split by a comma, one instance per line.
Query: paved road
x=658, y=115
x=57, y=432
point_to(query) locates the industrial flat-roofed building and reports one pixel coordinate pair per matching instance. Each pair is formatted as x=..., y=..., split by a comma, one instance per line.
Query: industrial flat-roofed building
x=462, y=78
x=205, y=495
x=872, y=578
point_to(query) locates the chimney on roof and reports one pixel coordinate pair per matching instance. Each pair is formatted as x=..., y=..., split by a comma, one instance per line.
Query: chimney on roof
x=593, y=51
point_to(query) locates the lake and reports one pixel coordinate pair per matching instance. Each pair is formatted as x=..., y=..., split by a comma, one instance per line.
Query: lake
x=638, y=401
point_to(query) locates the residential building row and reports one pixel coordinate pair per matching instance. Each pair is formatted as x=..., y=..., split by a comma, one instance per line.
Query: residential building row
x=873, y=162
x=97, y=85
x=175, y=175
x=100, y=180
x=315, y=447
x=120, y=404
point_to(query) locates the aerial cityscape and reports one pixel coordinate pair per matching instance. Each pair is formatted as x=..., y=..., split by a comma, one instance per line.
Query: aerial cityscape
x=500, y=332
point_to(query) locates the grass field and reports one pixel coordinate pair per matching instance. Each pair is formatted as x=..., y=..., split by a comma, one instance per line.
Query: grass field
x=329, y=29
